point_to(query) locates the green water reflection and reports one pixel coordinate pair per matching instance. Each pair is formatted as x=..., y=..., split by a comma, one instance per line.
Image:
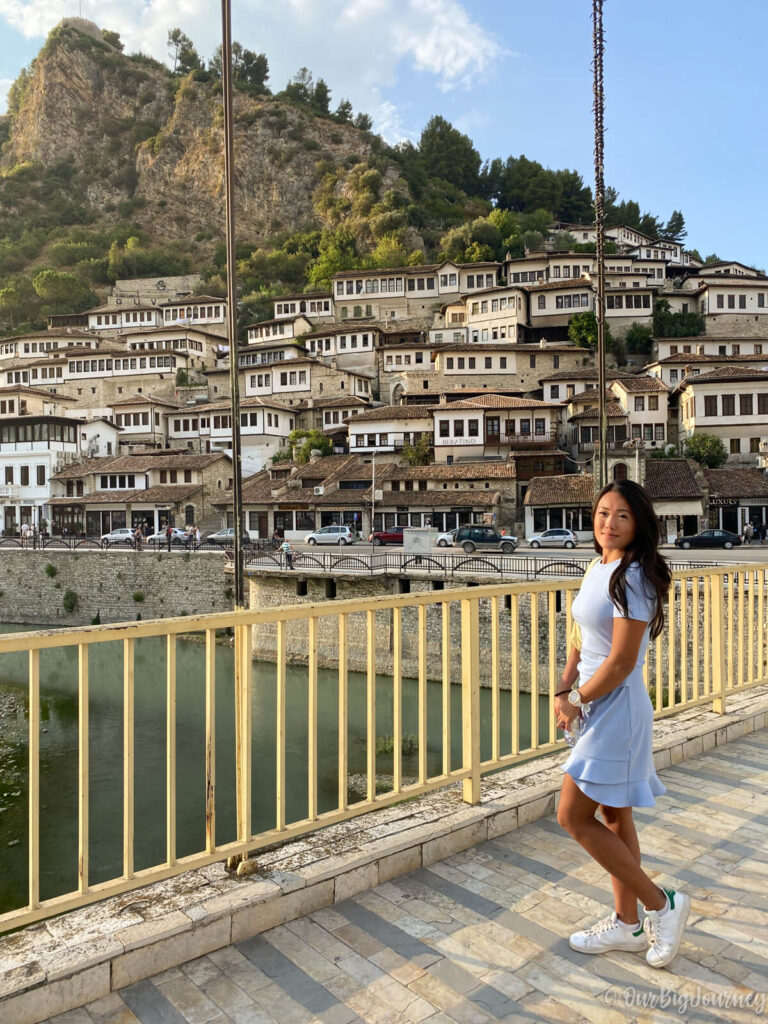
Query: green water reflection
x=58, y=753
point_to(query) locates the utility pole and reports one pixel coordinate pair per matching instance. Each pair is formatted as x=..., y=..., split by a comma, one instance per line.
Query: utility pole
x=234, y=361
x=599, y=112
x=373, y=494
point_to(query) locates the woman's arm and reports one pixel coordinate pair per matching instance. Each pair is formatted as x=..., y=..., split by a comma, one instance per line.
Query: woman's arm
x=625, y=645
x=571, y=670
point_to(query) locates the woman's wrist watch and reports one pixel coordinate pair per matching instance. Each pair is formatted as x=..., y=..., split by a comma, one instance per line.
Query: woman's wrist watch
x=574, y=697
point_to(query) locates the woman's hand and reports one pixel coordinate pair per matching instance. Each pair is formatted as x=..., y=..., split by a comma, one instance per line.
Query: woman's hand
x=565, y=713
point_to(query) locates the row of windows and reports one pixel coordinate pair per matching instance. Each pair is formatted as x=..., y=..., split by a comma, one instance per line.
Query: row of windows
x=23, y=376
x=570, y=271
x=722, y=350
x=292, y=377
x=101, y=365
x=12, y=432
x=261, y=358
x=371, y=285
x=357, y=312
x=267, y=331
x=320, y=344
x=338, y=416
x=42, y=346
x=493, y=427
x=306, y=305
x=735, y=445
x=728, y=405
x=729, y=301
x=117, y=481
x=194, y=313
x=261, y=380
x=653, y=403
x=496, y=305
x=481, y=280
x=457, y=337
x=404, y=359
x=408, y=485
x=135, y=419
x=628, y=301
x=25, y=476
x=567, y=301
x=171, y=476
x=139, y=316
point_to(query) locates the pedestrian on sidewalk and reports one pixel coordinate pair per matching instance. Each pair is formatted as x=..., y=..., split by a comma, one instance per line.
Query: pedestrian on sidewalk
x=287, y=551
x=619, y=608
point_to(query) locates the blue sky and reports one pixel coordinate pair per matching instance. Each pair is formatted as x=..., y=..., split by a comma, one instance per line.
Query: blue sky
x=683, y=83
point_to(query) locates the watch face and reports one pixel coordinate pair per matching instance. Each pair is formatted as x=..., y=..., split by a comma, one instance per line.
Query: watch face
x=574, y=697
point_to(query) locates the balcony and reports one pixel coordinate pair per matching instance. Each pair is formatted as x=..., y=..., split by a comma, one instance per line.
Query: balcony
x=513, y=440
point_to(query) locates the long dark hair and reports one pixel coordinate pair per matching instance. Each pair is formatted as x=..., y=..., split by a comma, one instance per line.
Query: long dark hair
x=643, y=549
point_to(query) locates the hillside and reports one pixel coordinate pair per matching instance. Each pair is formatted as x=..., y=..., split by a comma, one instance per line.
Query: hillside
x=111, y=167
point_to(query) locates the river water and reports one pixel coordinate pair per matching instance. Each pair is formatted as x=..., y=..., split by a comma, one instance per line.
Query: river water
x=59, y=743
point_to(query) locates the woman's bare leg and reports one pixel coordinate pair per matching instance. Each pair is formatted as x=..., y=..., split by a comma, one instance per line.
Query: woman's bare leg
x=619, y=821
x=576, y=814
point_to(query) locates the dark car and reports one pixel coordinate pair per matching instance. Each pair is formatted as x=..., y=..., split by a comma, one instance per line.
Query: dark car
x=484, y=538
x=710, y=539
x=393, y=536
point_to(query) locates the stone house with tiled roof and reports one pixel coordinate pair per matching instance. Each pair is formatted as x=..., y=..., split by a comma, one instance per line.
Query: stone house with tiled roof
x=730, y=402
x=560, y=502
x=678, y=490
x=736, y=496
x=152, y=487
x=389, y=428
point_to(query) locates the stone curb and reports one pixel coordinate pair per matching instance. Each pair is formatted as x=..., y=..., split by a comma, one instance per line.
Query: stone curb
x=64, y=963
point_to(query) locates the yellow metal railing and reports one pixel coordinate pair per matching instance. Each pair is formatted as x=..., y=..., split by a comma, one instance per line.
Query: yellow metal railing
x=486, y=644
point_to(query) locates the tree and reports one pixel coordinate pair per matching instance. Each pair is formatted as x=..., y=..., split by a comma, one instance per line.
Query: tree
x=321, y=98
x=113, y=38
x=364, y=122
x=638, y=339
x=301, y=87
x=667, y=324
x=250, y=70
x=18, y=301
x=343, y=113
x=707, y=449
x=674, y=229
x=448, y=154
x=418, y=454
x=582, y=330
x=304, y=442
x=62, y=292
x=182, y=49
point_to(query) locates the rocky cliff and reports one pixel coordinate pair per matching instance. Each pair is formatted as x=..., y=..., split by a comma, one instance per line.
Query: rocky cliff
x=144, y=141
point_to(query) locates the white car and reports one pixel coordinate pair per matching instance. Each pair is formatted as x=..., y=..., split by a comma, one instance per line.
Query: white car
x=554, y=539
x=122, y=535
x=445, y=540
x=179, y=536
x=331, y=535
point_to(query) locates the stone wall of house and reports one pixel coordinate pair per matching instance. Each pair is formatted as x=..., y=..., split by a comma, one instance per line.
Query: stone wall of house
x=118, y=586
x=736, y=325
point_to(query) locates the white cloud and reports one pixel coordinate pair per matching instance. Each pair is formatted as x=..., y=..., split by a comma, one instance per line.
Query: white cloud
x=360, y=47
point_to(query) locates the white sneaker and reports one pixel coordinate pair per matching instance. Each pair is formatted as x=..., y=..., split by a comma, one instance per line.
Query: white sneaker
x=609, y=934
x=665, y=930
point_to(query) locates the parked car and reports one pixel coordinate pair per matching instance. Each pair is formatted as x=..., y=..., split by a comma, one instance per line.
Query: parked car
x=340, y=535
x=484, y=538
x=710, y=539
x=122, y=535
x=554, y=539
x=226, y=537
x=179, y=536
x=393, y=536
x=445, y=540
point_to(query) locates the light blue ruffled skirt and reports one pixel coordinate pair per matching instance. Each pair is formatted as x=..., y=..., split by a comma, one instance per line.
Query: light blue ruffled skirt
x=612, y=761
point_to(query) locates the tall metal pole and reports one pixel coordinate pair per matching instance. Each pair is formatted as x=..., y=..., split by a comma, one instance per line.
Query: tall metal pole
x=234, y=367
x=599, y=111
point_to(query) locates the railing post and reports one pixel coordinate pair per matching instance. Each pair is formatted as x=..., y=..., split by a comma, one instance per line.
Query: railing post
x=243, y=729
x=470, y=699
x=716, y=582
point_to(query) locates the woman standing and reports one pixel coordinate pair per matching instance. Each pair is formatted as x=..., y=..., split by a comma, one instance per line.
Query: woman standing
x=620, y=606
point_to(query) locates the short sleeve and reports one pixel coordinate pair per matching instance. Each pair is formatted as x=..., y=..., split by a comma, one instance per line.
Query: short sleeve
x=641, y=603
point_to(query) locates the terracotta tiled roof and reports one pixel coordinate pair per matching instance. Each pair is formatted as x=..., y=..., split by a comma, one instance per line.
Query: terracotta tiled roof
x=25, y=389
x=458, y=471
x=195, y=300
x=55, y=333
x=145, y=400
x=736, y=483
x=394, y=412
x=351, y=401
x=566, y=282
x=671, y=478
x=494, y=401
x=303, y=295
x=439, y=499
x=573, y=489
x=613, y=410
x=163, y=492
x=641, y=383
x=727, y=374
x=582, y=373
x=681, y=358
x=139, y=463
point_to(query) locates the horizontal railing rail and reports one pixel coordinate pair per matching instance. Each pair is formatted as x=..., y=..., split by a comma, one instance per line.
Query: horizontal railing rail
x=421, y=691
x=38, y=542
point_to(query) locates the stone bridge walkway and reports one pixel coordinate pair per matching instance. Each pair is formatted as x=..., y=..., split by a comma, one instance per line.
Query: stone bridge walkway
x=483, y=935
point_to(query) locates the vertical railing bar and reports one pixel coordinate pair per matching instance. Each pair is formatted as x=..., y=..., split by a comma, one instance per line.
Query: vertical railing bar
x=514, y=672
x=280, y=793
x=671, y=653
x=684, y=641
x=312, y=722
x=534, y=671
x=446, y=694
x=170, y=748
x=751, y=626
x=343, y=713
x=761, y=623
x=128, y=756
x=731, y=618
x=246, y=733
x=659, y=664
x=470, y=688
x=707, y=645
x=495, y=717
x=371, y=703
x=740, y=673
x=397, y=699
x=210, y=740
x=695, y=613
x=423, y=640
x=552, y=657
x=717, y=582
x=34, y=779
x=83, y=770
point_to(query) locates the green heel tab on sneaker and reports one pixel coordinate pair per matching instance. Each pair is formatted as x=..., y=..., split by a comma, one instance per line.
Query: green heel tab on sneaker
x=671, y=897
x=639, y=930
